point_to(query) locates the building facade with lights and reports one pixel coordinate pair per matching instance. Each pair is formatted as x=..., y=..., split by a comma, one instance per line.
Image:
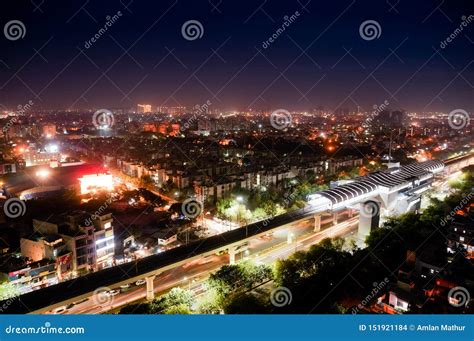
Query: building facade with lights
x=90, y=238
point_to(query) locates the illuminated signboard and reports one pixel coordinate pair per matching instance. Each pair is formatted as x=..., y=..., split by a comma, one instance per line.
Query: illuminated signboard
x=94, y=182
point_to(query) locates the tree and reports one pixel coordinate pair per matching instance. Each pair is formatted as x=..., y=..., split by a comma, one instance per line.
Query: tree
x=259, y=214
x=176, y=297
x=209, y=303
x=8, y=290
x=237, y=278
x=180, y=309
x=246, y=303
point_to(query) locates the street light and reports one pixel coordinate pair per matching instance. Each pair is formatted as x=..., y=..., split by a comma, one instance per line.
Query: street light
x=240, y=198
x=189, y=282
x=43, y=173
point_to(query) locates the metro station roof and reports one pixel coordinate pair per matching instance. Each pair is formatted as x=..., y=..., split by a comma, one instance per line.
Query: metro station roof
x=387, y=178
x=348, y=191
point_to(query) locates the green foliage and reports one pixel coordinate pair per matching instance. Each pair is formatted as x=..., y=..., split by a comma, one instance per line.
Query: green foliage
x=176, y=297
x=8, y=290
x=209, y=303
x=176, y=301
x=246, y=303
x=302, y=265
x=232, y=279
x=180, y=309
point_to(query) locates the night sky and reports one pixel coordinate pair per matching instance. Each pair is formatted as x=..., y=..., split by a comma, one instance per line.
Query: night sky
x=320, y=60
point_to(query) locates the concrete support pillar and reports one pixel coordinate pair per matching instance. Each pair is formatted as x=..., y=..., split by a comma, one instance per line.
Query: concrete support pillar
x=317, y=223
x=150, y=291
x=290, y=237
x=369, y=218
x=416, y=206
x=232, y=255
x=334, y=218
x=350, y=213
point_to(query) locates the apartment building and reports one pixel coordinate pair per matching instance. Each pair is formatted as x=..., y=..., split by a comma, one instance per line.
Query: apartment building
x=90, y=238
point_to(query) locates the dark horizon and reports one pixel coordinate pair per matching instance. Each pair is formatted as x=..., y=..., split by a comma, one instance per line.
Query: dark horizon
x=319, y=61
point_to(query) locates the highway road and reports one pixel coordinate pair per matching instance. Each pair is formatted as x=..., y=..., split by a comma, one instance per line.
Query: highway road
x=161, y=264
x=265, y=249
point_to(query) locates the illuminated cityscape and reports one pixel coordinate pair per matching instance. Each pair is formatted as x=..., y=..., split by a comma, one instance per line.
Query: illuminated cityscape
x=224, y=158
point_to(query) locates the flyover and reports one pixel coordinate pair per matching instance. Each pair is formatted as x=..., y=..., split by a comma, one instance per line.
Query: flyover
x=385, y=189
x=390, y=192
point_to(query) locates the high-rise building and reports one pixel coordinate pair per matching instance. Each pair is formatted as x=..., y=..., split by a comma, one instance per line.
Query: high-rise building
x=143, y=108
x=90, y=238
x=49, y=131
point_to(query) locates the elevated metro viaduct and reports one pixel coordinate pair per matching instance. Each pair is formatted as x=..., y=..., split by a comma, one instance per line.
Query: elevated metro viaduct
x=395, y=190
x=390, y=192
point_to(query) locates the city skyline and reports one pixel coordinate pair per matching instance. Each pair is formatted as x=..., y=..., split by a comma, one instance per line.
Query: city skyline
x=297, y=56
x=209, y=158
